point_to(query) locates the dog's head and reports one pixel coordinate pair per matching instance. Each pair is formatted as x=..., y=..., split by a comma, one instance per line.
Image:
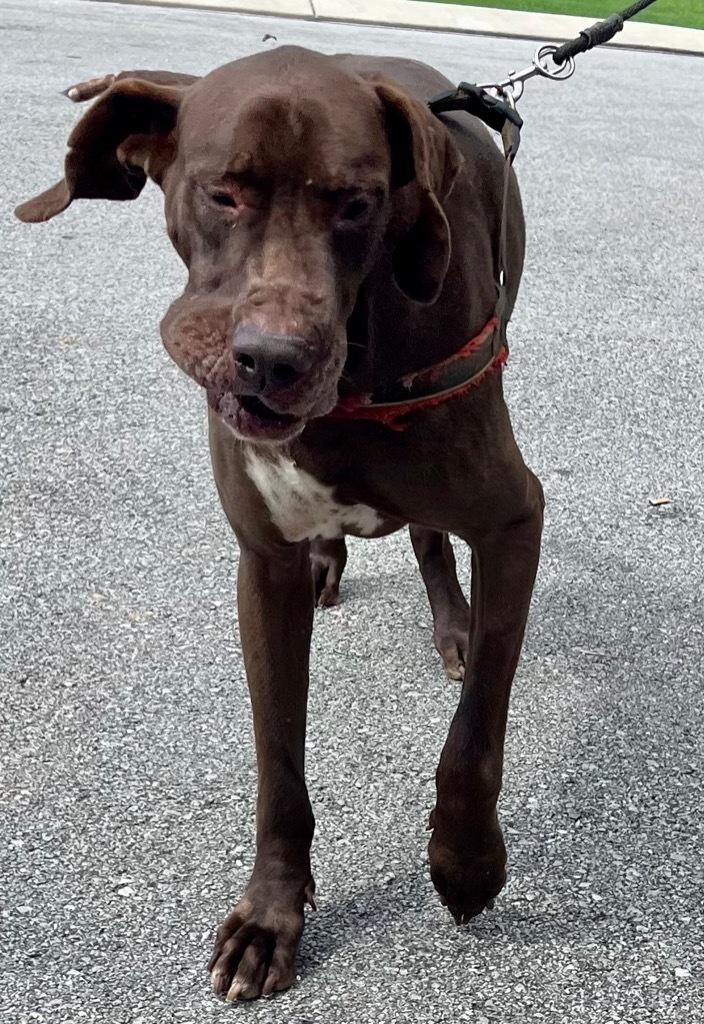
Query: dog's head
x=284, y=177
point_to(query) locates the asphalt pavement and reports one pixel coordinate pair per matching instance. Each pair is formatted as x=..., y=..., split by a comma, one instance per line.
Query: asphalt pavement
x=127, y=767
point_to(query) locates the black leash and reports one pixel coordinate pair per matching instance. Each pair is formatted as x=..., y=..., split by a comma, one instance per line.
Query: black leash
x=495, y=105
x=596, y=35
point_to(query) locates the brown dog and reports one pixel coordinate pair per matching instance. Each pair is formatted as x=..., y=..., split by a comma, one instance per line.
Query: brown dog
x=342, y=245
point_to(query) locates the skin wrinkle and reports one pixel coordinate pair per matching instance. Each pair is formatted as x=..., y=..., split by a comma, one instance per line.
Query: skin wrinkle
x=289, y=253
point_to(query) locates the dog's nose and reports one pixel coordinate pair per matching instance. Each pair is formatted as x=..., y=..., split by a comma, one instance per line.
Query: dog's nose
x=266, y=363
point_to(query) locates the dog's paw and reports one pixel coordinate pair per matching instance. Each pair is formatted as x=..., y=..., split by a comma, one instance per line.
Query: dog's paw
x=327, y=562
x=451, y=639
x=256, y=948
x=453, y=651
x=467, y=866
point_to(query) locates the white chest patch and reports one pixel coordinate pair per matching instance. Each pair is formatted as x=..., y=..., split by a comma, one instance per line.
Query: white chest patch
x=300, y=506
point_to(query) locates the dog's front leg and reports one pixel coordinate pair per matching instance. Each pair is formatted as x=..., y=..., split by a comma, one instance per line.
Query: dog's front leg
x=256, y=946
x=467, y=852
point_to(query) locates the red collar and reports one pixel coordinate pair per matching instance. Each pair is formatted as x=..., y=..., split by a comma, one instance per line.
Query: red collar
x=433, y=386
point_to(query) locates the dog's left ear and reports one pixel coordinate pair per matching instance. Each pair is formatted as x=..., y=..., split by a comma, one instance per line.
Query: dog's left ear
x=422, y=154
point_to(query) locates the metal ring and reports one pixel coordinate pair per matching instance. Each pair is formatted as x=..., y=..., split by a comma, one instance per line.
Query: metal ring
x=511, y=94
x=561, y=72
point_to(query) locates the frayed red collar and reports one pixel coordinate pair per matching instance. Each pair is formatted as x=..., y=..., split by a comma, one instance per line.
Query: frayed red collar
x=424, y=389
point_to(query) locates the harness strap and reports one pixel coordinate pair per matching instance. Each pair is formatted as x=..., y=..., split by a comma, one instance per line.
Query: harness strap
x=497, y=111
x=510, y=136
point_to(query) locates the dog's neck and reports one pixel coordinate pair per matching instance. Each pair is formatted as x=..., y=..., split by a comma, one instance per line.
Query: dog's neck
x=388, y=336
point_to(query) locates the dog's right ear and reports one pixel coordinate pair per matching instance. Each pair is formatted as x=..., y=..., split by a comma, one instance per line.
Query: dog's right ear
x=126, y=137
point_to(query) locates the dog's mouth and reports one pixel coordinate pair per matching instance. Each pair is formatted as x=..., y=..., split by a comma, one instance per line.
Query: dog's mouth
x=252, y=419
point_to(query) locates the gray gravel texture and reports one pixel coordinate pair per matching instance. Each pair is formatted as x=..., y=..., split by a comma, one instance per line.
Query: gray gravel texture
x=125, y=733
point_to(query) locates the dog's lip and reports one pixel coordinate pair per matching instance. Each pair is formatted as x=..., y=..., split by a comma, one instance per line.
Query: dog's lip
x=253, y=419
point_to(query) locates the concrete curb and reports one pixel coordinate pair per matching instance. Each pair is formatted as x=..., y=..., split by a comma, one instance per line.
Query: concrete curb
x=450, y=18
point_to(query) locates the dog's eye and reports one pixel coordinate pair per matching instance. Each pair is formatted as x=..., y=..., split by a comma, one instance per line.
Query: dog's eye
x=354, y=209
x=225, y=199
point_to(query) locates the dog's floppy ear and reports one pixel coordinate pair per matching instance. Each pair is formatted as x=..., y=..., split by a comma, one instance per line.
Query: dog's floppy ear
x=422, y=154
x=82, y=91
x=125, y=137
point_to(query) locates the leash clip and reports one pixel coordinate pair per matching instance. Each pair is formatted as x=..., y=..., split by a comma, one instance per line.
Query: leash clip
x=511, y=88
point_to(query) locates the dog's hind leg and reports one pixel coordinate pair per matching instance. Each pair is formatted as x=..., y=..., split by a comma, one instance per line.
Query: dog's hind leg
x=328, y=559
x=451, y=613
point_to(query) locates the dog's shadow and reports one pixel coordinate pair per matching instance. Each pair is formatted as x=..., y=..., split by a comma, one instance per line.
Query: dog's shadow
x=380, y=907
x=342, y=922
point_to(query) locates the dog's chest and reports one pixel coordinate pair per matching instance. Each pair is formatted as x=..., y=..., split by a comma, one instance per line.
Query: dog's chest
x=300, y=506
